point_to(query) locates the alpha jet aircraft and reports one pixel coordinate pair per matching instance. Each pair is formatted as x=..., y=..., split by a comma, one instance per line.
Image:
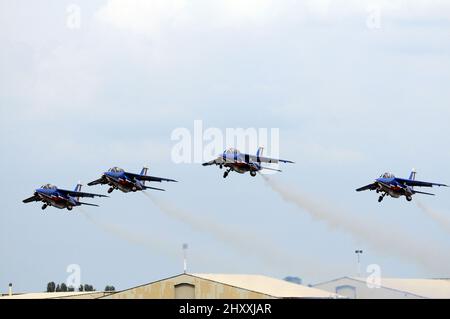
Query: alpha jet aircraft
x=389, y=185
x=51, y=195
x=127, y=182
x=241, y=163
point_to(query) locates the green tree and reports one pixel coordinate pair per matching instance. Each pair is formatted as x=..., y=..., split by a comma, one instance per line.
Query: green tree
x=63, y=287
x=58, y=288
x=51, y=286
x=81, y=288
x=88, y=287
x=110, y=288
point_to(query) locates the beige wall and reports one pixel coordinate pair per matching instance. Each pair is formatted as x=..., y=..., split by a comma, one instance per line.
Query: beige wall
x=204, y=289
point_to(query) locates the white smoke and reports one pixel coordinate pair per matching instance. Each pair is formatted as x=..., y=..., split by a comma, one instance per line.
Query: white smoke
x=152, y=244
x=244, y=242
x=439, y=217
x=381, y=237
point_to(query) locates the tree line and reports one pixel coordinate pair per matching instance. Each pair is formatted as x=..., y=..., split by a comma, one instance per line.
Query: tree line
x=53, y=287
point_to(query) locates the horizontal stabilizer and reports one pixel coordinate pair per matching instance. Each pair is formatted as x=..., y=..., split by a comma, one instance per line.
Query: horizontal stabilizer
x=417, y=192
x=155, y=188
x=88, y=204
x=271, y=169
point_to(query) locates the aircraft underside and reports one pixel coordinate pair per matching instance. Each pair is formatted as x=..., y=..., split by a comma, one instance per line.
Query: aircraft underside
x=240, y=168
x=56, y=202
x=394, y=192
x=123, y=185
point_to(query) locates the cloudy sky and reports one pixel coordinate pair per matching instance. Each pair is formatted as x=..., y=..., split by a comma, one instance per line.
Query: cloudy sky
x=356, y=88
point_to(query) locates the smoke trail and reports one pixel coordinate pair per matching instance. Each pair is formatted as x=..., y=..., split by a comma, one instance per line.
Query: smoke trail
x=164, y=247
x=438, y=217
x=381, y=237
x=133, y=238
x=243, y=242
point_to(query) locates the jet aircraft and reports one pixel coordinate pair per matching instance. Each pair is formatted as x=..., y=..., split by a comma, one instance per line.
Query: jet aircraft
x=389, y=185
x=127, y=182
x=51, y=195
x=241, y=163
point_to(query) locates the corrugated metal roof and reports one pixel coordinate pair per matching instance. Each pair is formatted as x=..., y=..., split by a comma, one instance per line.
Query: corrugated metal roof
x=268, y=286
x=427, y=288
x=430, y=288
x=53, y=295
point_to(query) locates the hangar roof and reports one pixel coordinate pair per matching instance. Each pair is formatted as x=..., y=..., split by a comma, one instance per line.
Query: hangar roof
x=268, y=286
x=55, y=295
x=428, y=288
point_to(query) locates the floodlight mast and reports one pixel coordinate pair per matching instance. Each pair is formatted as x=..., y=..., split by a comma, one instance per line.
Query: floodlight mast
x=358, y=253
x=185, y=248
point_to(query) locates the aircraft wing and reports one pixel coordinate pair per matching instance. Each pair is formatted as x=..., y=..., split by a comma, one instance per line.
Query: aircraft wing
x=410, y=182
x=34, y=198
x=149, y=178
x=262, y=159
x=372, y=187
x=79, y=194
x=101, y=180
x=217, y=161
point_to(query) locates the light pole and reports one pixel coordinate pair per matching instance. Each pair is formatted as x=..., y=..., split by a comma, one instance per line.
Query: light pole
x=358, y=253
x=185, y=247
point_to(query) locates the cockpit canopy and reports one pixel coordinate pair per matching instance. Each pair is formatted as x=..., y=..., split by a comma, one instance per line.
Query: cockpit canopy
x=387, y=175
x=116, y=170
x=232, y=150
x=48, y=186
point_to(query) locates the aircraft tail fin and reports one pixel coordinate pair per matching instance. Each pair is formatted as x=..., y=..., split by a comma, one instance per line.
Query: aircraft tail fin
x=412, y=176
x=259, y=153
x=144, y=171
x=78, y=189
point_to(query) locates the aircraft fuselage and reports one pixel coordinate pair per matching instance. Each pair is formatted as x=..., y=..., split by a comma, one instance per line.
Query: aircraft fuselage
x=122, y=182
x=55, y=199
x=394, y=189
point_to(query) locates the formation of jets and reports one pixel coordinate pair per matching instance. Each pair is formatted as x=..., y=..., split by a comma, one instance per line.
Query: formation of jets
x=231, y=159
x=115, y=177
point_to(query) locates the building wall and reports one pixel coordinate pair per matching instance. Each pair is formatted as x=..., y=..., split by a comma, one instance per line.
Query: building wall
x=180, y=287
x=359, y=290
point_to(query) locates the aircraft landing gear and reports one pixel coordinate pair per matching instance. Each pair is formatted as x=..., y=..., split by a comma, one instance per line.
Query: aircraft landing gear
x=408, y=198
x=69, y=207
x=44, y=206
x=225, y=174
x=380, y=199
x=110, y=190
x=253, y=173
